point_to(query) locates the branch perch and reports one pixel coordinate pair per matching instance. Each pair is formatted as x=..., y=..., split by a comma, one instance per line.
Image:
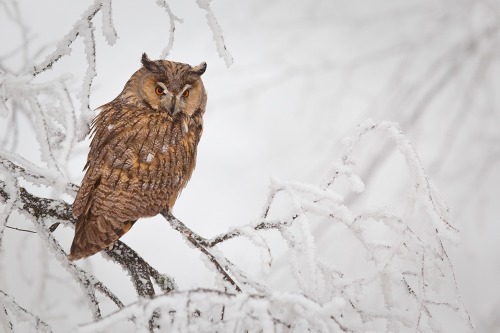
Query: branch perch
x=141, y=272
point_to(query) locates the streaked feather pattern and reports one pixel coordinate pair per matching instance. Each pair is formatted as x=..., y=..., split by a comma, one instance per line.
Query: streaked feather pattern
x=141, y=156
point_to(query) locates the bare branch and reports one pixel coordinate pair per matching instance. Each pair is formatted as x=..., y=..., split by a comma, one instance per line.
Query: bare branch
x=19, y=229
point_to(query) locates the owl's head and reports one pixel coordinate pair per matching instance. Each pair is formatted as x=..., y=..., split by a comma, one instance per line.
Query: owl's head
x=167, y=86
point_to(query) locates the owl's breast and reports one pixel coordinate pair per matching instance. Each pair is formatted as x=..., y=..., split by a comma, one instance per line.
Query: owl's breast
x=157, y=159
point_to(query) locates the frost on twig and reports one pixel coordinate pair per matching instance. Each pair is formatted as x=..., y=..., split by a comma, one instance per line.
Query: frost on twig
x=193, y=238
x=49, y=110
x=12, y=314
x=171, y=31
x=216, y=32
x=199, y=311
x=85, y=28
x=108, y=28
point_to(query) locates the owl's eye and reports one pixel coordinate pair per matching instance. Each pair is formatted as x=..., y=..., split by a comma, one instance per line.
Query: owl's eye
x=185, y=94
x=159, y=90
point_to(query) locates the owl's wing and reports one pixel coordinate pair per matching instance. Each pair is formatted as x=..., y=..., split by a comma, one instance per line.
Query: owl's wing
x=104, y=208
x=114, y=130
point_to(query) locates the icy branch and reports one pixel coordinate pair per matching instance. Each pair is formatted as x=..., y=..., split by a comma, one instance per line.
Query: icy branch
x=171, y=31
x=108, y=29
x=84, y=28
x=199, y=310
x=18, y=167
x=64, y=46
x=193, y=238
x=216, y=32
x=423, y=185
x=48, y=108
x=12, y=313
x=87, y=114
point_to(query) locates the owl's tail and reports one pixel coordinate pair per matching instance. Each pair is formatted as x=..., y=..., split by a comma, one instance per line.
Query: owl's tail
x=95, y=233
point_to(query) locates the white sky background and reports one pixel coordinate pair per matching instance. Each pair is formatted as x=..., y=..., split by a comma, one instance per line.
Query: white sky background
x=304, y=74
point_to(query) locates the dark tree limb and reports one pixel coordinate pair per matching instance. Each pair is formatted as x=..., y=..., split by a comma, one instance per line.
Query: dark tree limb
x=138, y=268
x=59, y=211
x=199, y=242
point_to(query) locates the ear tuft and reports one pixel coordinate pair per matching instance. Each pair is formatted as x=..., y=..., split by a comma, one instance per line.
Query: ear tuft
x=200, y=69
x=146, y=62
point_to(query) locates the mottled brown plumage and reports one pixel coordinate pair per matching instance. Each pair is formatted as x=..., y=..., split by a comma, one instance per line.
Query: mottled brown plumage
x=142, y=153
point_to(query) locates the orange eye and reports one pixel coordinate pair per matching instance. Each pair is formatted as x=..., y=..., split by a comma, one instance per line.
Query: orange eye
x=159, y=90
x=185, y=93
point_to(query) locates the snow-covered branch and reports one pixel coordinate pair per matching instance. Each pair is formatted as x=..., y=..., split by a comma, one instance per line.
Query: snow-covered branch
x=12, y=314
x=208, y=310
x=216, y=32
x=171, y=31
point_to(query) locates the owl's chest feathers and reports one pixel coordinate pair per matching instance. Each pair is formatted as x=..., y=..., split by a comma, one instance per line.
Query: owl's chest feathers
x=155, y=153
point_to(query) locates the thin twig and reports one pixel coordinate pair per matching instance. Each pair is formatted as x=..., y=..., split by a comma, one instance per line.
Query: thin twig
x=19, y=229
x=199, y=242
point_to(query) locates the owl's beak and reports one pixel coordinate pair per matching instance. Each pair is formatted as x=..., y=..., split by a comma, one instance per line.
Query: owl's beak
x=171, y=108
x=169, y=102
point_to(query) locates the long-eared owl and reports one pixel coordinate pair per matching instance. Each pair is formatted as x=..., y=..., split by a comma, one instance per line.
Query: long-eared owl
x=142, y=153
